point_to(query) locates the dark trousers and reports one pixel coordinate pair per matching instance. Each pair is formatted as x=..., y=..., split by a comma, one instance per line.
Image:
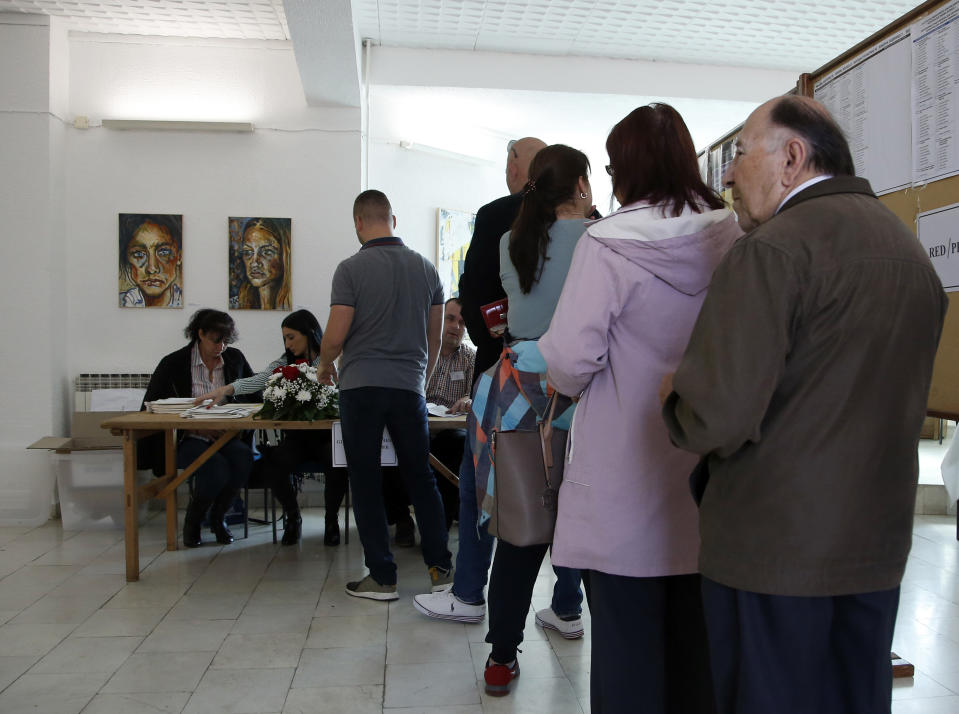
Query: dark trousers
x=511, y=591
x=296, y=449
x=364, y=412
x=222, y=475
x=800, y=655
x=447, y=446
x=649, y=651
x=395, y=500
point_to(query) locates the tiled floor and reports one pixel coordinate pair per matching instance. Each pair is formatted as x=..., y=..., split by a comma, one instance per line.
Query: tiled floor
x=254, y=627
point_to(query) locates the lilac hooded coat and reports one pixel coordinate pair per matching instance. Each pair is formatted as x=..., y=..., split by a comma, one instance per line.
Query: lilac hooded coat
x=631, y=297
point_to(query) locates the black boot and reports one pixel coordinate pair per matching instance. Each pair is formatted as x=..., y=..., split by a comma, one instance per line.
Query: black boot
x=333, y=493
x=332, y=534
x=294, y=521
x=292, y=529
x=192, y=523
x=218, y=516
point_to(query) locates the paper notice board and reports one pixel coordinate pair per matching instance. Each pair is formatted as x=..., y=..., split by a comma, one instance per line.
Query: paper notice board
x=869, y=99
x=387, y=452
x=938, y=231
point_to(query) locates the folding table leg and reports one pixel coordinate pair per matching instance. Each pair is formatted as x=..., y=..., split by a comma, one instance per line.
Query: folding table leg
x=171, y=503
x=131, y=525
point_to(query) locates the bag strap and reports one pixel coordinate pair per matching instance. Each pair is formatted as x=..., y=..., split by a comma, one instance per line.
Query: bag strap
x=546, y=437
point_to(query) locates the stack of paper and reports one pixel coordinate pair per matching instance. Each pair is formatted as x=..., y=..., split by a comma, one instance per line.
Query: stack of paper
x=225, y=411
x=173, y=405
x=438, y=410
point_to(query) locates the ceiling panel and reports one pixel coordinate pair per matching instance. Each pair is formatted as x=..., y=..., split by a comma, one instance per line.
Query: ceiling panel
x=774, y=34
x=234, y=19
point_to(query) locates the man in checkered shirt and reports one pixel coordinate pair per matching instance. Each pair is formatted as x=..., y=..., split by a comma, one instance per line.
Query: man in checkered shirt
x=452, y=379
x=450, y=386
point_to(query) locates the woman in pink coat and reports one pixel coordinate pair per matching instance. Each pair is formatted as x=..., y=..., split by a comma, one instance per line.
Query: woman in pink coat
x=626, y=517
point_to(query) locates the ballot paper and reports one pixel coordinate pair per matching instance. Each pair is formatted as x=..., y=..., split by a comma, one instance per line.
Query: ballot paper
x=173, y=405
x=224, y=411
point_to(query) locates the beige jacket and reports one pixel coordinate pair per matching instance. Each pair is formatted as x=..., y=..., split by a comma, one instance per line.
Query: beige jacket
x=805, y=382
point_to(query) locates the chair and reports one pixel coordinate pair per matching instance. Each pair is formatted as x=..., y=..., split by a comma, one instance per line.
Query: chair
x=314, y=467
x=268, y=500
x=269, y=503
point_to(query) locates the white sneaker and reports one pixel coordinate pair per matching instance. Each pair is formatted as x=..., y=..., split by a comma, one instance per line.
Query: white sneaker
x=569, y=629
x=446, y=606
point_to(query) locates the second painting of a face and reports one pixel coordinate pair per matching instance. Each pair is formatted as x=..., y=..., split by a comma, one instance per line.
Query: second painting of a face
x=260, y=266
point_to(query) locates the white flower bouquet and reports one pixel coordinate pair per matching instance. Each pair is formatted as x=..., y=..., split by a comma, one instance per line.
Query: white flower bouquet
x=293, y=392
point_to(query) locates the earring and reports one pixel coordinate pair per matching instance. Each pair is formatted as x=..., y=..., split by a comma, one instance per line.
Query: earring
x=582, y=194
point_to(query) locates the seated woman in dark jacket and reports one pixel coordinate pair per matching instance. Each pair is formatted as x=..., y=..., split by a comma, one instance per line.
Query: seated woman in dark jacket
x=301, y=339
x=201, y=366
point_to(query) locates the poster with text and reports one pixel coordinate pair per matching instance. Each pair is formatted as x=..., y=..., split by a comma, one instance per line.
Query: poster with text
x=938, y=231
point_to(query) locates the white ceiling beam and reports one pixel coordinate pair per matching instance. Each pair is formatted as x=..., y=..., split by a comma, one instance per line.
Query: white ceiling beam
x=496, y=70
x=326, y=46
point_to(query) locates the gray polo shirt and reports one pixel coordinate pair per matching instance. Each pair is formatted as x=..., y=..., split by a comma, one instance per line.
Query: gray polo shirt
x=391, y=289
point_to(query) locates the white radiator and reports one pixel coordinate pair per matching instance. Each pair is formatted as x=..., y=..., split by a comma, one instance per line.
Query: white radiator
x=86, y=383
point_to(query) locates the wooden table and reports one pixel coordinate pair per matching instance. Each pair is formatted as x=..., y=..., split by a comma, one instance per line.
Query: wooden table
x=135, y=426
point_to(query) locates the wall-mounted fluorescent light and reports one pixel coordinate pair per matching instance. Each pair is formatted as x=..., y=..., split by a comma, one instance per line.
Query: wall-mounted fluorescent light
x=155, y=125
x=445, y=153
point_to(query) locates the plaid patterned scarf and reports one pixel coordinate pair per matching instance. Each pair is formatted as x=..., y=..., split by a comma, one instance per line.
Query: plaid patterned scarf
x=512, y=394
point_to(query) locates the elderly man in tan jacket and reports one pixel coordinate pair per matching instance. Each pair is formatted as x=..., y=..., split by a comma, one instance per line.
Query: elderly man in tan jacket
x=804, y=388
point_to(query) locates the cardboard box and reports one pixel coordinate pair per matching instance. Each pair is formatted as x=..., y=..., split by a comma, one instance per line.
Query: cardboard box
x=85, y=434
x=89, y=473
x=90, y=487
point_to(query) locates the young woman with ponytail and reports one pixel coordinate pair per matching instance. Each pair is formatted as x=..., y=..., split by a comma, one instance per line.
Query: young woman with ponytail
x=534, y=259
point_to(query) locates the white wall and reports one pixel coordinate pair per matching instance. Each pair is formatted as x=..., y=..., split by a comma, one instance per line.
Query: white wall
x=503, y=70
x=457, y=142
x=299, y=162
x=32, y=350
x=62, y=188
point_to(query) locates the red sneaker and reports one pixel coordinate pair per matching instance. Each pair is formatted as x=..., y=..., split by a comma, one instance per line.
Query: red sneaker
x=499, y=676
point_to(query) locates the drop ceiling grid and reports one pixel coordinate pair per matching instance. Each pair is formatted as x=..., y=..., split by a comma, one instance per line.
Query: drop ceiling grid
x=762, y=33
x=241, y=19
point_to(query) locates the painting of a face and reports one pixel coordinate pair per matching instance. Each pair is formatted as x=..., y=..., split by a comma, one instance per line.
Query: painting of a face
x=154, y=260
x=151, y=260
x=260, y=263
x=262, y=257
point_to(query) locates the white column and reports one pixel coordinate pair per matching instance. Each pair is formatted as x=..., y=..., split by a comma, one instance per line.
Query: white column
x=33, y=92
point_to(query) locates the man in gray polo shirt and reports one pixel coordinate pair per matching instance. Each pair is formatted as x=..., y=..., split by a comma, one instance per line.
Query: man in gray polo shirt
x=386, y=319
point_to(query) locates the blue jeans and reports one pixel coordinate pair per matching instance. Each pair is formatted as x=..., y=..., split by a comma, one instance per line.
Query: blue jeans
x=476, y=552
x=364, y=412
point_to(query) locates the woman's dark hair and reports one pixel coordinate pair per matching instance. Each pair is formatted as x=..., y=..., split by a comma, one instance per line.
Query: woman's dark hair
x=304, y=322
x=211, y=321
x=553, y=176
x=653, y=159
